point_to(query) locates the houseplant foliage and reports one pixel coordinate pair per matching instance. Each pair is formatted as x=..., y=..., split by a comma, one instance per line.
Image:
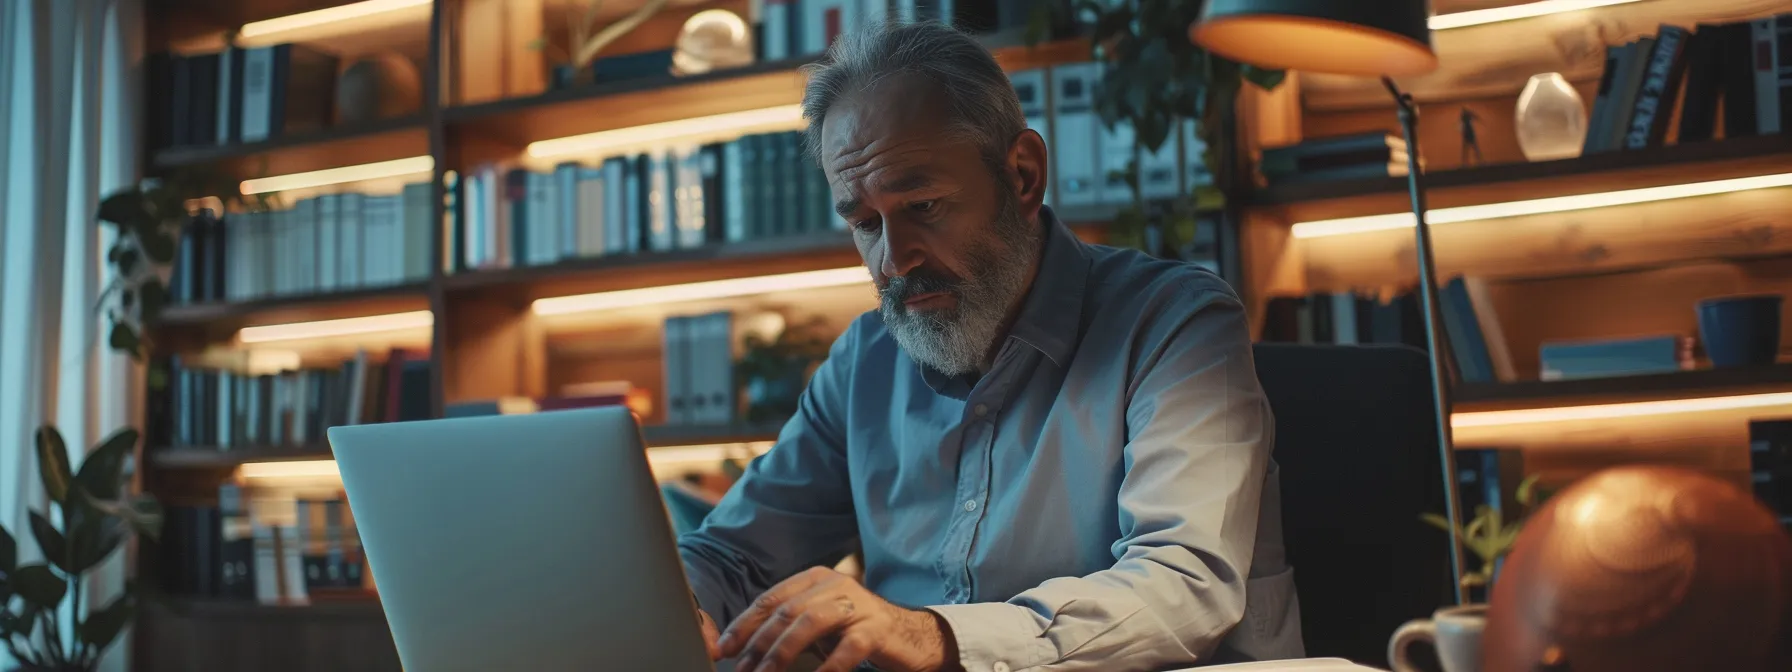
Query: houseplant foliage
x=97, y=515
x=584, y=40
x=1157, y=79
x=1488, y=535
x=775, y=369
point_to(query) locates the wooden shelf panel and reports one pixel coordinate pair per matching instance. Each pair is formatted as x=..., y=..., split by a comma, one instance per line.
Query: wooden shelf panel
x=785, y=254
x=380, y=140
x=665, y=436
x=657, y=436
x=348, y=605
x=1602, y=171
x=210, y=322
x=515, y=122
x=1619, y=389
x=235, y=456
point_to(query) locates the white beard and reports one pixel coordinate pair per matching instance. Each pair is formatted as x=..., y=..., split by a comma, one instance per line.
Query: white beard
x=955, y=341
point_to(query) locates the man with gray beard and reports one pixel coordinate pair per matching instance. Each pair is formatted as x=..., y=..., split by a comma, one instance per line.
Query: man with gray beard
x=1054, y=455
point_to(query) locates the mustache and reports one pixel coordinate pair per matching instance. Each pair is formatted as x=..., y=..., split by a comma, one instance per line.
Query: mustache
x=900, y=289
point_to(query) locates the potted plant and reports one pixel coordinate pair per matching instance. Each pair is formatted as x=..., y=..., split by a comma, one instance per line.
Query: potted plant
x=97, y=515
x=775, y=367
x=583, y=43
x=1157, y=79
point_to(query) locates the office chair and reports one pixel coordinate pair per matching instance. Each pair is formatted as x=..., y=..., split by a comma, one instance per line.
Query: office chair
x=1357, y=448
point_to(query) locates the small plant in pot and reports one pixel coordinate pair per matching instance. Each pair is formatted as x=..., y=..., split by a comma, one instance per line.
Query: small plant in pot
x=775, y=367
x=45, y=618
x=584, y=40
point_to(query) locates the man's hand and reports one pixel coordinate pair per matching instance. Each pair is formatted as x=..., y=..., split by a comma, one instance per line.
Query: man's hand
x=822, y=605
x=709, y=635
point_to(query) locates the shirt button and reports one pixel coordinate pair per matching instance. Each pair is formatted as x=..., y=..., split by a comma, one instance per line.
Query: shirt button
x=981, y=410
x=999, y=667
x=970, y=505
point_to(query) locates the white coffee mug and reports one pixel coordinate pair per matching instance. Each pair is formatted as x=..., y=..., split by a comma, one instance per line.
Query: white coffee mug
x=1455, y=631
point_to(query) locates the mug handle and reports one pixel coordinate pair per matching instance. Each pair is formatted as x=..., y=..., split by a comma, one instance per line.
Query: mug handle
x=1412, y=631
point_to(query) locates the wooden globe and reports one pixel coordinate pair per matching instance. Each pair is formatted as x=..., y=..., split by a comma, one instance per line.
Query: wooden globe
x=1645, y=568
x=378, y=86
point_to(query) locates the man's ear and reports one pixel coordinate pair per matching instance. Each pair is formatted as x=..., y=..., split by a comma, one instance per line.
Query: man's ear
x=1028, y=169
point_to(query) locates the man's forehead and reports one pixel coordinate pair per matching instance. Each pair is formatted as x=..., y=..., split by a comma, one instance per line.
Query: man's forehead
x=901, y=106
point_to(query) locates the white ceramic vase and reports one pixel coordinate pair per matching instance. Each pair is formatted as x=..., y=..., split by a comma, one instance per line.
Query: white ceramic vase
x=1551, y=121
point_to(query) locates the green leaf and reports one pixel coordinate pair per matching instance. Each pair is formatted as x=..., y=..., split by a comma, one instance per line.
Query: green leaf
x=52, y=463
x=102, y=473
x=1527, y=491
x=126, y=297
x=1209, y=197
x=154, y=297
x=158, y=244
x=104, y=625
x=1267, y=79
x=39, y=586
x=49, y=540
x=22, y=624
x=1436, y=521
x=124, y=208
x=94, y=538
x=9, y=552
x=124, y=339
x=538, y=44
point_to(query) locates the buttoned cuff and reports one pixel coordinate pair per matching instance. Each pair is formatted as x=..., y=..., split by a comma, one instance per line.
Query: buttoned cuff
x=997, y=637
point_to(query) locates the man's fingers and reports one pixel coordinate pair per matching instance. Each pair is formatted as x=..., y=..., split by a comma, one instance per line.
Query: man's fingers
x=709, y=635
x=750, y=621
x=855, y=646
x=818, y=618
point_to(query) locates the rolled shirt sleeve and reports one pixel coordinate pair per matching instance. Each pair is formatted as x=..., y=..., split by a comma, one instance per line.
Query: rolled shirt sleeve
x=791, y=510
x=1199, y=439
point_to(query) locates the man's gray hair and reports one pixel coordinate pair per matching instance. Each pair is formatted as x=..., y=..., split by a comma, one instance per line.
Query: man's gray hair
x=982, y=106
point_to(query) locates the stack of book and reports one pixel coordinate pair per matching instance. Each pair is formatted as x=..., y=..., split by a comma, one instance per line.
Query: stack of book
x=1747, y=67
x=226, y=409
x=1604, y=358
x=1348, y=157
x=1476, y=341
x=1355, y=156
x=240, y=550
x=1090, y=158
x=239, y=95
x=804, y=28
x=757, y=186
x=324, y=244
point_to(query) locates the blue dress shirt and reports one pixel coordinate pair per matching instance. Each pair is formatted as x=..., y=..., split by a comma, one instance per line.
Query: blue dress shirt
x=1101, y=499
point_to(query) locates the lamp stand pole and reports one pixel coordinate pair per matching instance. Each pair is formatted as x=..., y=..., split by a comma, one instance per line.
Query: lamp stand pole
x=1434, y=331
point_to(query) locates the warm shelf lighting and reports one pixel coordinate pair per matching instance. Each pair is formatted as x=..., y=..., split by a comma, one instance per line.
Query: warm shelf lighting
x=319, y=178
x=697, y=291
x=1471, y=213
x=1615, y=411
x=1515, y=12
x=294, y=469
x=419, y=319
x=268, y=32
x=695, y=130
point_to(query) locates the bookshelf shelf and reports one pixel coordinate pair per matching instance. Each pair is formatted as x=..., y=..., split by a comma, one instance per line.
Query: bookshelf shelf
x=213, y=458
x=1654, y=387
x=1603, y=167
x=384, y=132
x=275, y=310
x=666, y=436
x=784, y=254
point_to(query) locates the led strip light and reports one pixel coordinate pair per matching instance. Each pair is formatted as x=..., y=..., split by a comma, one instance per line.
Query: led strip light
x=1515, y=12
x=696, y=291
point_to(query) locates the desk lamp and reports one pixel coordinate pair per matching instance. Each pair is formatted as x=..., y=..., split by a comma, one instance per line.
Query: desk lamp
x=1385, y=38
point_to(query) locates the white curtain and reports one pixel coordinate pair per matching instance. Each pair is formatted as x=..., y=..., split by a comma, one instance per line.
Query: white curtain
x=70, y=92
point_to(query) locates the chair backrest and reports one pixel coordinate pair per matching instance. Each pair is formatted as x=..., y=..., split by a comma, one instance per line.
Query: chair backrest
x=1357, y=447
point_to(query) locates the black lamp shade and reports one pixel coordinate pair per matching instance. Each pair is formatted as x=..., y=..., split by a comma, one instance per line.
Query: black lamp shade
x=1345, y=37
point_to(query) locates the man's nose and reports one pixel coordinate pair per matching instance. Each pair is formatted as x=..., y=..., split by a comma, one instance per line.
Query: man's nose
x=904, y=249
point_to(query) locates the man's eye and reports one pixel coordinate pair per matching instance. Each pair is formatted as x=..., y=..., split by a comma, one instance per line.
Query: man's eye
x=868, y=225
x=923, y=206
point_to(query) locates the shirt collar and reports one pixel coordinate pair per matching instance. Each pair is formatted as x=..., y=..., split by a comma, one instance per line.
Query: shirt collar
x=1051, y=319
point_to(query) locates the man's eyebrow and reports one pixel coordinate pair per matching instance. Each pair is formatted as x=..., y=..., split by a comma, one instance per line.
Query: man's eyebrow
x=906, y=182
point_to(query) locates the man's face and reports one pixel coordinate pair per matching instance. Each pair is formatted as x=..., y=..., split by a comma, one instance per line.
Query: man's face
x=942, y=233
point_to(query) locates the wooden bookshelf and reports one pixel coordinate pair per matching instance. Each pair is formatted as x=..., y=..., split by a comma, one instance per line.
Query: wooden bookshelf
x=383, y=134
x=235, y=456
x=1624, y=389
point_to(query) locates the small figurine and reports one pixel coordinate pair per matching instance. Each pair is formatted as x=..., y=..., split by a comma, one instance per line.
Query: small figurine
x=1469, y=142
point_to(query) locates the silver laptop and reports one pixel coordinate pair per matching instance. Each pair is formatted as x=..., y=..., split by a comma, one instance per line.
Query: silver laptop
x=517, y=542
